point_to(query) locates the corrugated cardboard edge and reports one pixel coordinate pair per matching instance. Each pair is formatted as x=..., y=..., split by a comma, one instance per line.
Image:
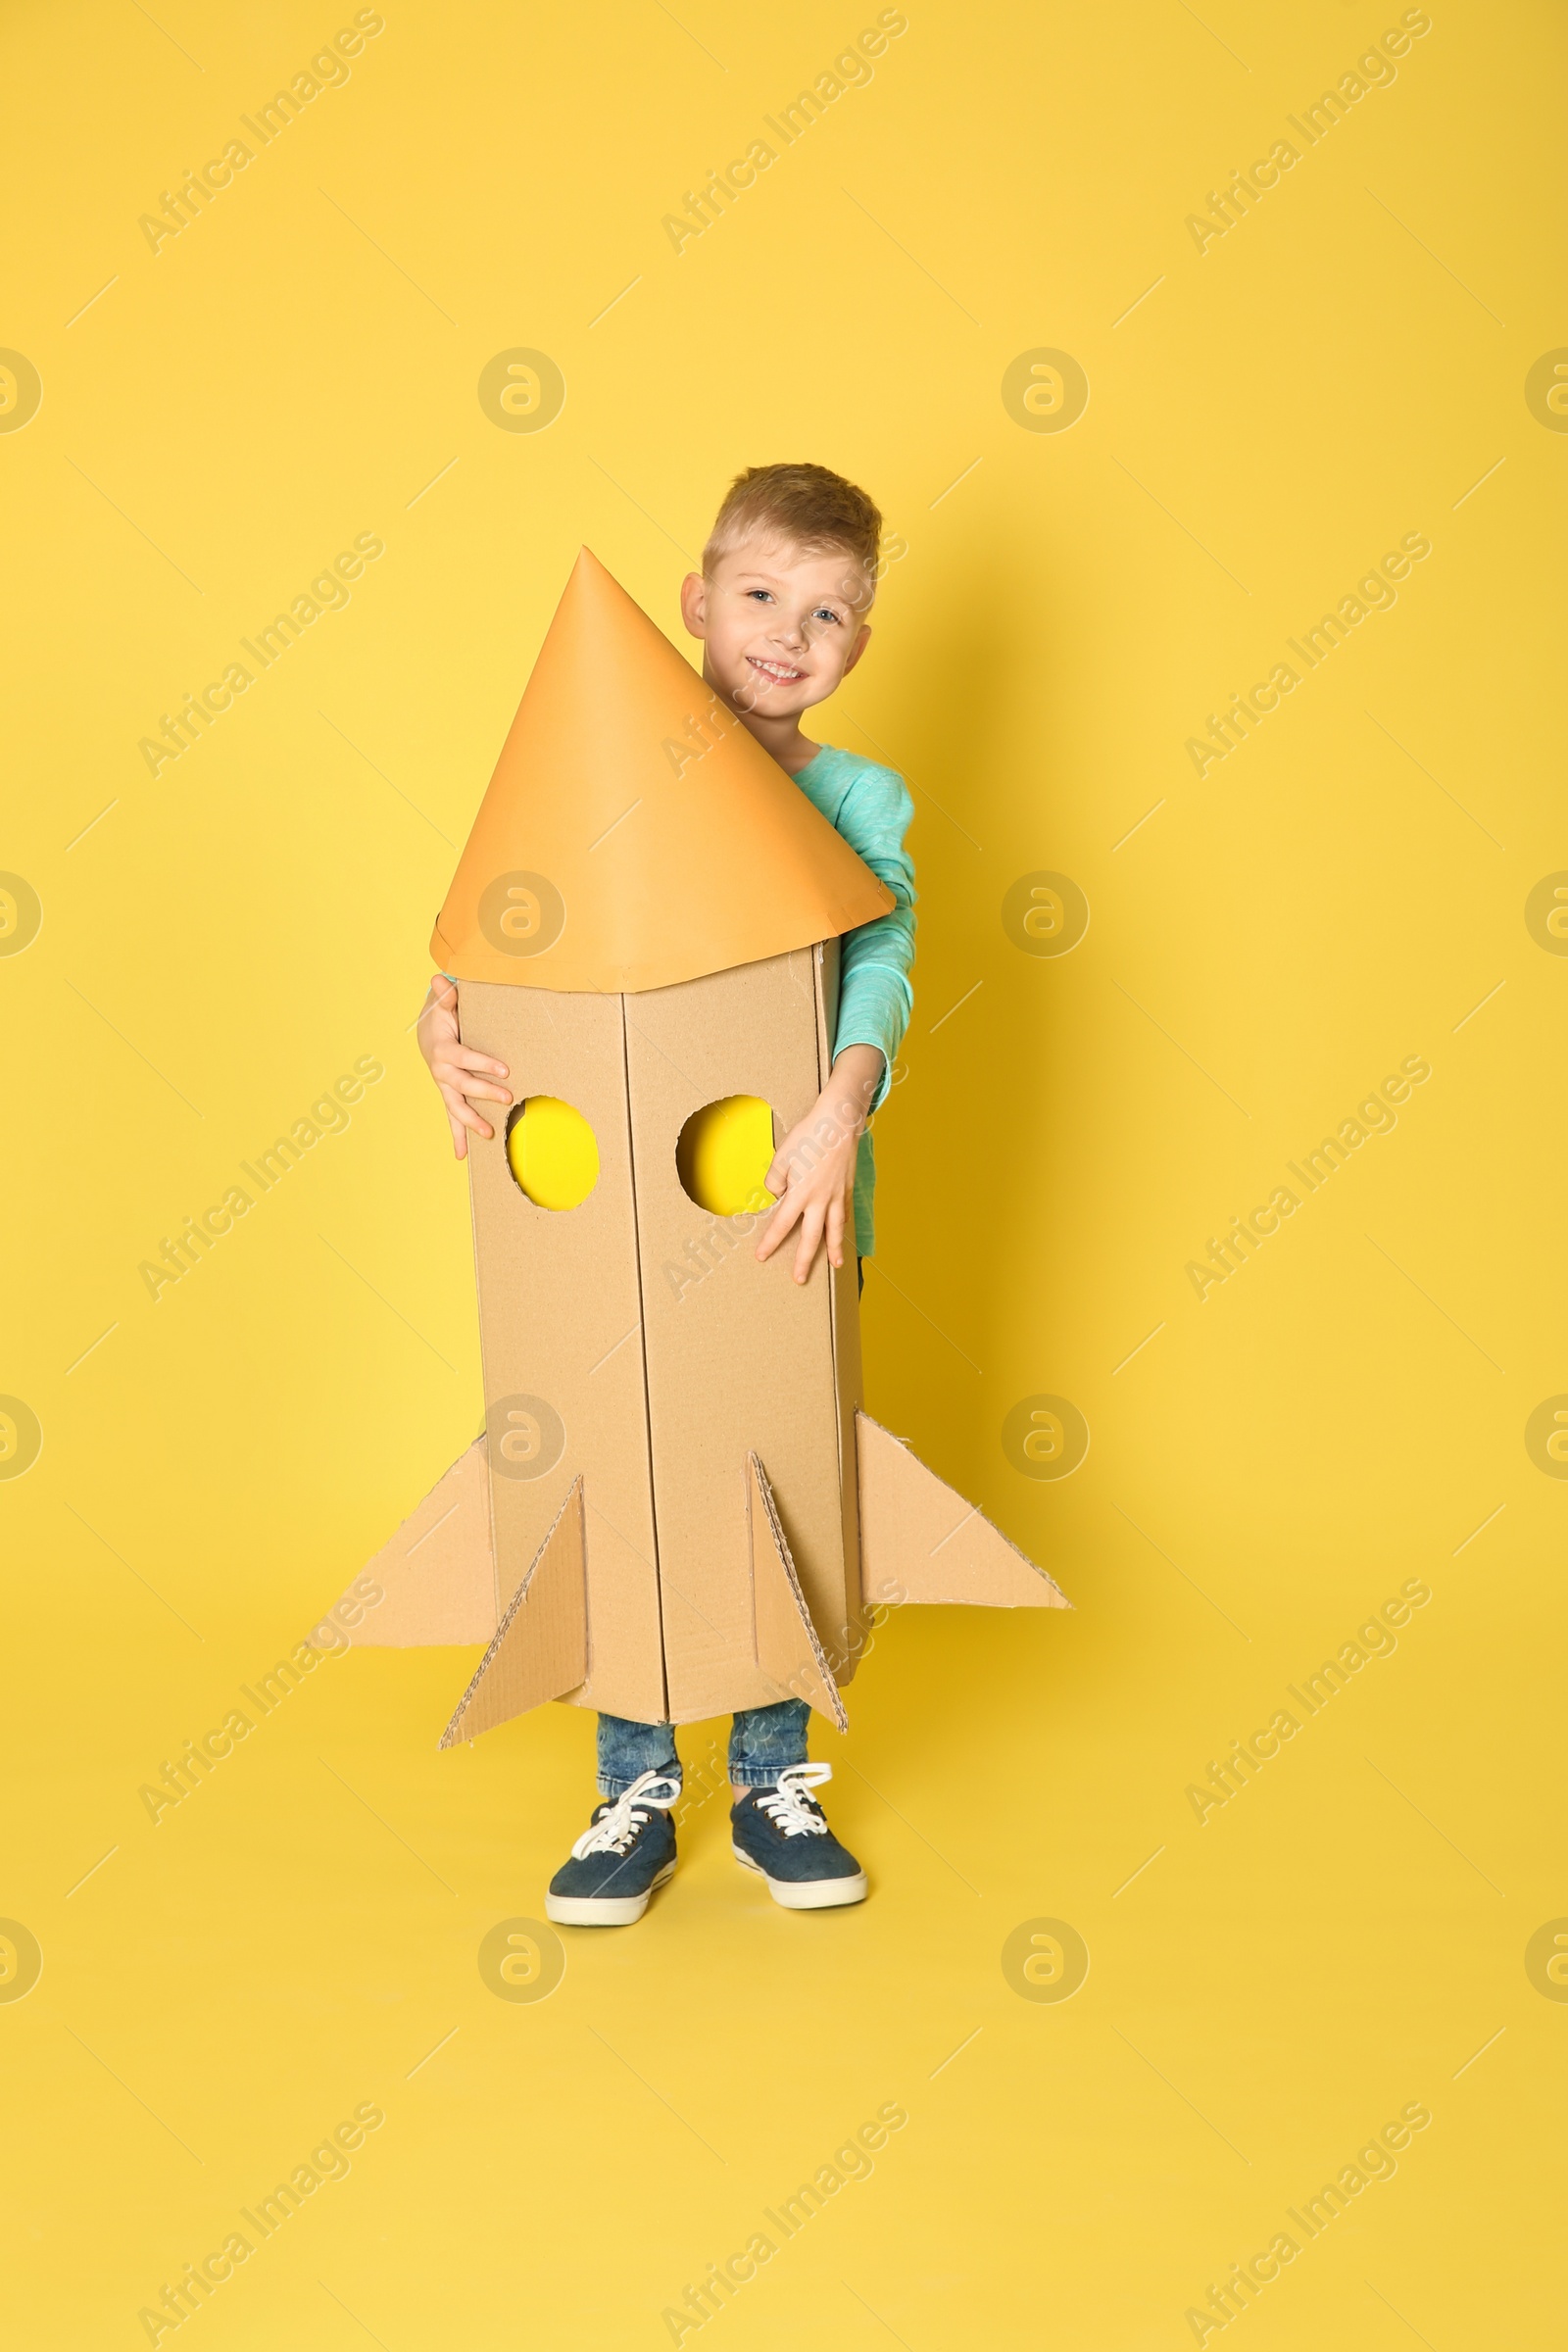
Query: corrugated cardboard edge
x=436, y=1574
x=540, y=1650
x=499, y=1598
x=921, y=1542
x=844, y=1322
x=788, y=1651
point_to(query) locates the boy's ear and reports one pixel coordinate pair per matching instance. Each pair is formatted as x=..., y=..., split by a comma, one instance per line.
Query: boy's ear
x=859, y=647
x=694, y=604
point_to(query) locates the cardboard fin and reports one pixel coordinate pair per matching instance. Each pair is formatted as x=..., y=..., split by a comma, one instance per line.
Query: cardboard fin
x=540, y=1649
x=920, y=1542
x=436, y=1576
x=788, y=1651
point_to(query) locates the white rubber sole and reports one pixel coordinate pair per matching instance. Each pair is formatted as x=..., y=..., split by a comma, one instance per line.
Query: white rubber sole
x=810, y=1894
x=604, y=1910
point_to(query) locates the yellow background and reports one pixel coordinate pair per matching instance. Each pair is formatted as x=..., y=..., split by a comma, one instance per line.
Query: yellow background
x=294, y=1939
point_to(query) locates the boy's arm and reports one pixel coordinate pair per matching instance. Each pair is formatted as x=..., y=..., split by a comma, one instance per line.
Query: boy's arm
x=461, y=1074
x=813, y=1167
x=813, y=1175
x=876, y=999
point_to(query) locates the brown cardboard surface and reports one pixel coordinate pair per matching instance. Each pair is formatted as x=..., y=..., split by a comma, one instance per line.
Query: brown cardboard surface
x=845, y=1652
x=667, y=842
x=540, y=1648
x=436, y=1574
x=920, y=1542
x=559, y=1325
x=787, y=1648
x=845, y=1286
x=739, y=1356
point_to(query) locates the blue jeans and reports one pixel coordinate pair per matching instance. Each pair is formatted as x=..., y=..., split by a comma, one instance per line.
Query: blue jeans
x=762, y=1741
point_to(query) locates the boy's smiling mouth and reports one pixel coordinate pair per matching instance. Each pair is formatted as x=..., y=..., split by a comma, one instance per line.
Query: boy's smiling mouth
x=779, y=671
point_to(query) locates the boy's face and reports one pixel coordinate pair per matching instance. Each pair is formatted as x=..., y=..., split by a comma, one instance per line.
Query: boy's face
x=780, y=626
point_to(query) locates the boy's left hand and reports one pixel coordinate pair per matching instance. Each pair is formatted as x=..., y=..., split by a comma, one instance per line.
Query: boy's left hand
x=812, y=1171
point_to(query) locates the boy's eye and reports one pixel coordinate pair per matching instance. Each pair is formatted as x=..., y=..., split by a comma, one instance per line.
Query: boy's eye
x=763, y=594
x=825, y=613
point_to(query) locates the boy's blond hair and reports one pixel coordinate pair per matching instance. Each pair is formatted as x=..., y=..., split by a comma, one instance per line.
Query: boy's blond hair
x=807, y=505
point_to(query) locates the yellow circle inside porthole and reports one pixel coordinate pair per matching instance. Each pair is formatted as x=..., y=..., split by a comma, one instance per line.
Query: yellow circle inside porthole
x=552, y=1152
x=723, y=1155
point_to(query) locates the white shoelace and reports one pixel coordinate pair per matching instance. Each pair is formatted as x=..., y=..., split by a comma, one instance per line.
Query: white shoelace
x=613, y=1832
x=788, y=1805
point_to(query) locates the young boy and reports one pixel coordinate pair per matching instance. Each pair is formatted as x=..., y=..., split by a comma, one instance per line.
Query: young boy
x=788, y=576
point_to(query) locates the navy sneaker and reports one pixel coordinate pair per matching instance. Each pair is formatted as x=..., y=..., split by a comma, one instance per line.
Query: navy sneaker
x=782, y=1834
x=626, y=1851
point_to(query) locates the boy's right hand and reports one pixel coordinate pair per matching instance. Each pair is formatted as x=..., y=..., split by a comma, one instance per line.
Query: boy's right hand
x=461, y=1075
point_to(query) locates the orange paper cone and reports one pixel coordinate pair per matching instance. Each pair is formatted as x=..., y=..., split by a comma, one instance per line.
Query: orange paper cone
x=634, y=834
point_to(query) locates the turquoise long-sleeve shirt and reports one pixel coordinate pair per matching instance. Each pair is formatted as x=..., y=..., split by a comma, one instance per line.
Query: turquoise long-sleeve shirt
x=871, y=809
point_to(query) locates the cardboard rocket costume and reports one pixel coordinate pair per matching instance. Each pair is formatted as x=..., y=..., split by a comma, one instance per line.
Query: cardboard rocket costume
x=677, y=1508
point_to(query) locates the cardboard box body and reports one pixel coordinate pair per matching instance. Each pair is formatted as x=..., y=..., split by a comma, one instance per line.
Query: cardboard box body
x=636, y=1342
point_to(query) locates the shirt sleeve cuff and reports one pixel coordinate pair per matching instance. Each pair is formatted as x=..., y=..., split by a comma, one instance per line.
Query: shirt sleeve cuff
x=862, y=1034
